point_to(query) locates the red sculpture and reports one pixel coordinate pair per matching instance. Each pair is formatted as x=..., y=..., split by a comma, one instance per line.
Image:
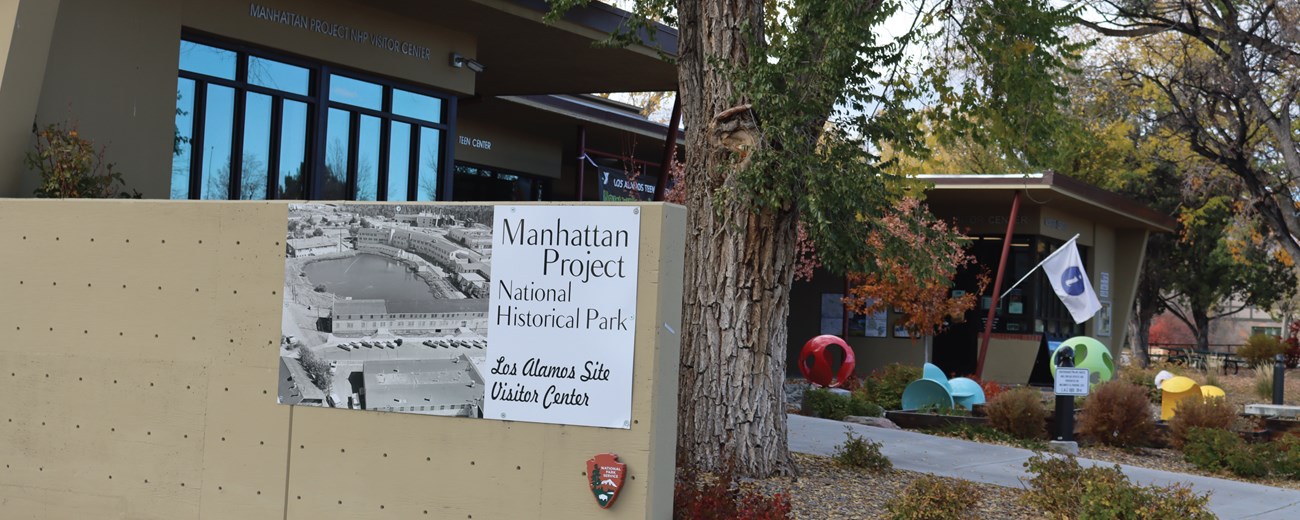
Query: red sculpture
x=819, y=372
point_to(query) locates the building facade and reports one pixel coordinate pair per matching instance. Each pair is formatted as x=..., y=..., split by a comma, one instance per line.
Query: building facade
x=330, y=99
x=423, y=317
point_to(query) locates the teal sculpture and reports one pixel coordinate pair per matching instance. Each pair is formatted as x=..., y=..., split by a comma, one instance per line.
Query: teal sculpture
x=936, y=390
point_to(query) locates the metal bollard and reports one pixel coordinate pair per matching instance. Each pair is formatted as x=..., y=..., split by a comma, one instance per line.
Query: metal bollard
x=1065, y=403
x=1279, y=378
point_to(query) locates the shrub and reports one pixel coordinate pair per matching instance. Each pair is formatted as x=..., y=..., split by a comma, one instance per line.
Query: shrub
x=718, y=497
x=1198, y=413
x=943, y=409
x=885, y=386
x=1287, y=462
x=984, y=433
x=71, y=167
x=826, y=404
x=1063, y=489
x=1260, y=349
x=1221, y=450
x=860, y=453
x=934, y=498
x=992, y=389
x=1019, y=412
x=1143, y=377
x=1118, y=413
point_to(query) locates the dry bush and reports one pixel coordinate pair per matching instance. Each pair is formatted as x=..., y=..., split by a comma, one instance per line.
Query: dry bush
x=1260, y=349
x=1197, y=413
x=1119, y=414
x=1019, y=412
x=934, y=498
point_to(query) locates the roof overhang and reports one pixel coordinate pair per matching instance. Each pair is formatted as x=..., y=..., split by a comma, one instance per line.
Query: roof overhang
x=523, y=55
x=1046, y=189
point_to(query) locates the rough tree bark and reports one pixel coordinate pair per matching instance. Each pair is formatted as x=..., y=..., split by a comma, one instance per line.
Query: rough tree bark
x=1147, y=304
x=739, y=262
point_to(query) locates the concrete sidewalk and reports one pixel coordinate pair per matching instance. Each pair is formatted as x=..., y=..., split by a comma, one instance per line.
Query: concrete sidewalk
x=1002, y=465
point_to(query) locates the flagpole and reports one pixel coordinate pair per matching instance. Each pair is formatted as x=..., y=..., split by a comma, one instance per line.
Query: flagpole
x=1040, y=264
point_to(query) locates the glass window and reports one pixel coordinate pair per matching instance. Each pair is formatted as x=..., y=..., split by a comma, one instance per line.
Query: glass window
x=293, y=150
x=299, y=131
x=356, y=92
x=181, y=152
x=278, y=76
x=417, y=106
x=429, y=165
x=337, y=136
x=218, y=134
x=257, y=147
x=399, y=160
x=202, y=59
x=368, y=159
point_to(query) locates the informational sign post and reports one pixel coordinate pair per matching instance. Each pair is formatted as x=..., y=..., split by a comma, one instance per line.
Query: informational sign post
x=517, y=313
x=561, y=315
x=1071, y=381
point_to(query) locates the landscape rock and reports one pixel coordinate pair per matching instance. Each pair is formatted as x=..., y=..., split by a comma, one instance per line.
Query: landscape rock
x=879, y=422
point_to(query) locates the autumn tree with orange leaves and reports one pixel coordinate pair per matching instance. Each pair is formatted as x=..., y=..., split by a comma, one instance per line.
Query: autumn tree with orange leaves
x=921, y=290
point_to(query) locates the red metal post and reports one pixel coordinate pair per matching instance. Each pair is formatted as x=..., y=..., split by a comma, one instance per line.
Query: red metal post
x=670, y=148
x=997, y=284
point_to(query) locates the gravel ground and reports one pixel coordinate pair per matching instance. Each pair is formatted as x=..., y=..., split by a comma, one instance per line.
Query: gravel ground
x=825, y=490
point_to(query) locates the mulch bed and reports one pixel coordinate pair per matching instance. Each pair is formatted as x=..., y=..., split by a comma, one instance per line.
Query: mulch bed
x=826, y=490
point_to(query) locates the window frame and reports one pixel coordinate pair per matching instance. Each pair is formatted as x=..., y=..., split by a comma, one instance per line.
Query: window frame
x=318, y=107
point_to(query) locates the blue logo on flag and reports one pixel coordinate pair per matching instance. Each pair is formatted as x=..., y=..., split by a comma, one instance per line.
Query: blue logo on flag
x=1072, y=281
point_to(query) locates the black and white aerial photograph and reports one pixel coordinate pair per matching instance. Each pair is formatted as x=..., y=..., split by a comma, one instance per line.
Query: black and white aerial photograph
x=385, y=307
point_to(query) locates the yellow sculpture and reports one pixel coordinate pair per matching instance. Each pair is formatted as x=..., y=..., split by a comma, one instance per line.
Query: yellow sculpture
x=1176, y=389
x=1212, y=392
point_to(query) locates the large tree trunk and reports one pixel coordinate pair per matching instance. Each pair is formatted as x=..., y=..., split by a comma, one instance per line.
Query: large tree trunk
x=1147, y=303
x=1201, y=320
x=739, y=266
x=1142, y=347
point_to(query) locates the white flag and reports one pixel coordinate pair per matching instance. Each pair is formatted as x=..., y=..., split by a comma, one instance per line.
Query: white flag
x=1070, y=281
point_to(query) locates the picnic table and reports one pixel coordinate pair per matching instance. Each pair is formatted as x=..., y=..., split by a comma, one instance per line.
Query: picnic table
x=1200, y=359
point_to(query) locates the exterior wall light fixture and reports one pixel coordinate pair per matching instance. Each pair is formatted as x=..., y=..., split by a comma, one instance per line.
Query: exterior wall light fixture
x=459, y=61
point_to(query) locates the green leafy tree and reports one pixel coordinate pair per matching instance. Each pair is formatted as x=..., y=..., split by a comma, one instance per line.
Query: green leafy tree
x=1229, y=73
x=785, y=102
x=1221, y=265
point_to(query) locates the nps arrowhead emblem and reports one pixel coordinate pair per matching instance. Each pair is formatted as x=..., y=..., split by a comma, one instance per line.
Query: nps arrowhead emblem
x=605, y=475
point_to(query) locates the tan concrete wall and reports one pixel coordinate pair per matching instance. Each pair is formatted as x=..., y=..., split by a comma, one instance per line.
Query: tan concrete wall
x=26, y=27
x=1130, y=252
x=874, y=353
x=139, y=376
x=507, y=147
x=230, y=19
x=1062, y=225
x=112, y=72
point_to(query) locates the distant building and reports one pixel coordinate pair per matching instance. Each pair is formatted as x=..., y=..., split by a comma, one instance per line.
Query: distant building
x=426, y=220
x=473, y=284
x=447, y=254
x=432, y=387
x=299, y=247
x=429, y=316
x=296, y=386
x=477, y=238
